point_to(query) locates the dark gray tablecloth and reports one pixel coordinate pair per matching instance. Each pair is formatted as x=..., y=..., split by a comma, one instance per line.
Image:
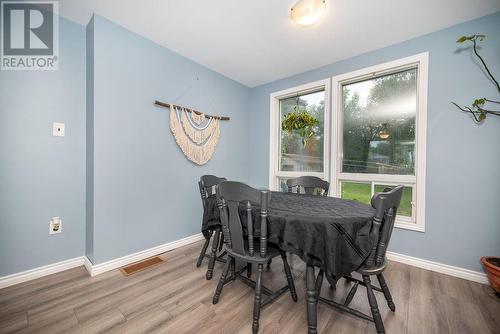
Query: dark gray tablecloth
x=211, y=218
x=327, y=232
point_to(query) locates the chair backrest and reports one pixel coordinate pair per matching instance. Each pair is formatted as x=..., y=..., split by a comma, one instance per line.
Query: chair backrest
x=231, y=196
x=386, y=206
x=312, y=185
x=208, y=186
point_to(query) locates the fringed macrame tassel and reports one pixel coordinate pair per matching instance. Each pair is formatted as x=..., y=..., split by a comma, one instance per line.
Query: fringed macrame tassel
x=198, y=153
x=197, y=135
x=197, y=118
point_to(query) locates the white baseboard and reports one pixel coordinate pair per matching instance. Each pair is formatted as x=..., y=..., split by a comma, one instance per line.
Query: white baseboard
x=32, y=274
x=467, y=274
x=88, y=265
x=96, y=269
x=93, y=270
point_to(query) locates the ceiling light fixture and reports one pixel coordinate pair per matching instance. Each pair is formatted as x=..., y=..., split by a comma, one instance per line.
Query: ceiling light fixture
x=307, y=12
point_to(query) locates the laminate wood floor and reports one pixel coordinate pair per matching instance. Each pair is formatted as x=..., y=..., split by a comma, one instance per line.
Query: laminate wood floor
x=175, y=297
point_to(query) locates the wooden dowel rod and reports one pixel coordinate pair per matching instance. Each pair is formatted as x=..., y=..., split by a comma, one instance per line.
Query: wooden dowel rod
x=168, y=105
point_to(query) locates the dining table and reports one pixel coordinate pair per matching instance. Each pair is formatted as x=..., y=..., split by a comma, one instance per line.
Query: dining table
x=329, y=233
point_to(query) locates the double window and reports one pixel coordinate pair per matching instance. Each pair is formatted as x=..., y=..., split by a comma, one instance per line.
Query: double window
x=371, y=136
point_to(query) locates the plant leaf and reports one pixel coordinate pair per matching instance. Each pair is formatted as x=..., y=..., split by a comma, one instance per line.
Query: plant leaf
x=479, y=102
x=462, y=39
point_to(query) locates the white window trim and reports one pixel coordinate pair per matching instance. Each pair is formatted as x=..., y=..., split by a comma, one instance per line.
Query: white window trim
x=422, y=61
x=274, y=131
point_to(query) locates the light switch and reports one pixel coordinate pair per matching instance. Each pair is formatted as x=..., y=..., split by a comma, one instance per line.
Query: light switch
x=58, y=129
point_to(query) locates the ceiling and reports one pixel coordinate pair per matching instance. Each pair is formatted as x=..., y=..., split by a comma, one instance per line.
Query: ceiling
x=255, y=42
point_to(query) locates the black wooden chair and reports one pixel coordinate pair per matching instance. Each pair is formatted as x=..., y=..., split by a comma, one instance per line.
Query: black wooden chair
x=386, y=205
x=311, y=185
x=248, y=247
x=208, y=186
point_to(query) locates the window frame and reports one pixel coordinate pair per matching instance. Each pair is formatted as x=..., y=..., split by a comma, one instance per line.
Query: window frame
x=274, y=172
x=333, y=135
x=417, y=181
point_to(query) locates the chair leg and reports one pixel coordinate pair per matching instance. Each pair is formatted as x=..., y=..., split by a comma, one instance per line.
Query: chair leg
x=222, y=280
x=213, y=255
x=377, y=318
x=289, y=277
x=204, y=249
x=319, y=283
x=249, y=269
x=256, y=305
x=221, y=243
x=386, y=291
x=351, y=294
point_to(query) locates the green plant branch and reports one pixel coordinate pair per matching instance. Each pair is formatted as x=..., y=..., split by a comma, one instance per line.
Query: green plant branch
x=483, y=62
x=469, y=110
x=478, y=108
x=493, y=112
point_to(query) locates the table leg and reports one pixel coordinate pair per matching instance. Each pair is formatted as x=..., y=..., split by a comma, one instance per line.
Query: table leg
x=312, y=300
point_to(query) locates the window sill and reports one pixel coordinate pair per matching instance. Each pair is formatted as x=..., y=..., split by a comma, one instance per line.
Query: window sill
x=405, y=225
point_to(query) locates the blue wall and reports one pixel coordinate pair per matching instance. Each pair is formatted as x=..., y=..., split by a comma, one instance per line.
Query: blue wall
x=42, y=176
x=463, y=159
x=145, y=190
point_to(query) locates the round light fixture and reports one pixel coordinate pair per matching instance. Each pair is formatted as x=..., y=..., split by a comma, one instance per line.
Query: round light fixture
x=384, y=132
x=307, y=12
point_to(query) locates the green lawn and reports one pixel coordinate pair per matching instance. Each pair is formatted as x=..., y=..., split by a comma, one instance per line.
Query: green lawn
x=361, y=192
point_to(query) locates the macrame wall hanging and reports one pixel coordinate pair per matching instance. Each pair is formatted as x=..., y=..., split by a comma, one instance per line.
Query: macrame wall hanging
x=196, y=133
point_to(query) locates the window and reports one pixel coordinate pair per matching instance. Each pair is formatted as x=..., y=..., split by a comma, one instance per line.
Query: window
x=299, y=137
x=363, y=192
x=379, y=122
x=377, y=127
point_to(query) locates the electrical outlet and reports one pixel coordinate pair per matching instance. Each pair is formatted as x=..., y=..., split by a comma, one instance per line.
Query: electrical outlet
x=55, y=225
x=58, y=129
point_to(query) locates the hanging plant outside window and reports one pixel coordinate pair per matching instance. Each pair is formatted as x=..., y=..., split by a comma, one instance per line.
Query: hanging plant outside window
x=301, y=123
